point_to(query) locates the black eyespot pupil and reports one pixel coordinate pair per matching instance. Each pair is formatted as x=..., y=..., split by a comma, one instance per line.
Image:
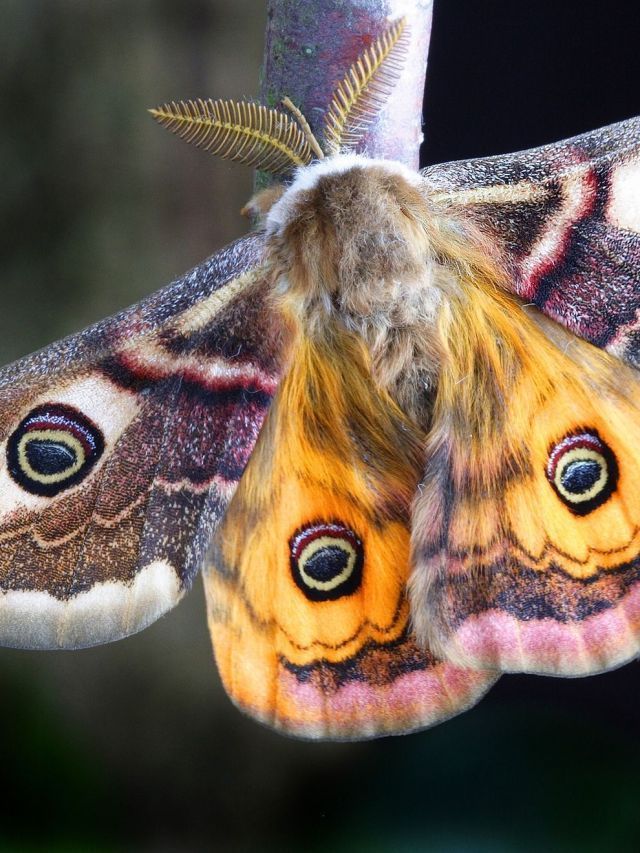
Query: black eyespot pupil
x=326, y=564
x=580, y=475
x=49, y=457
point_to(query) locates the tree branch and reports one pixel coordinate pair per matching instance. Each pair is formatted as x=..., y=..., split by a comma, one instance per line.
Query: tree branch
x=310, y=45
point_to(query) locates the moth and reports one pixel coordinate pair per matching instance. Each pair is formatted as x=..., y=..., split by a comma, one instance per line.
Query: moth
x=396, y=426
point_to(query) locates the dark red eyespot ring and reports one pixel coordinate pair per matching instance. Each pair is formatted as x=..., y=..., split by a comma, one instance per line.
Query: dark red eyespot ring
x=52, y=449
x=583, y=471
x=326, y=560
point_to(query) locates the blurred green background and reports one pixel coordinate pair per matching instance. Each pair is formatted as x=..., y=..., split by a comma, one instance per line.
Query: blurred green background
x=135, y=746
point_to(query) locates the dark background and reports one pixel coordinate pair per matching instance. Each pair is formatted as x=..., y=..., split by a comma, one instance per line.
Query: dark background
x=134, y=746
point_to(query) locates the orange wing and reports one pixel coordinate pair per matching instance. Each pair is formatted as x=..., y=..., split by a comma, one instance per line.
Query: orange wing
x=526, y=535
x=306, y=587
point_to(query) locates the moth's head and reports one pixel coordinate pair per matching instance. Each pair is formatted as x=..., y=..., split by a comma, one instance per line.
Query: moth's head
x=349, y=232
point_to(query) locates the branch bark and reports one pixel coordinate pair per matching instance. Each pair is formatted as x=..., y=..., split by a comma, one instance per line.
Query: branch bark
x=311, y=44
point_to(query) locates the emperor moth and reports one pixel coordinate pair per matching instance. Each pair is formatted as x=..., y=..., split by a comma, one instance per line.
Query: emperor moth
x=397, y=425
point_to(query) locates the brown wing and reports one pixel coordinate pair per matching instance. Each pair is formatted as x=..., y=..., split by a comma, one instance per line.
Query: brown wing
x=565, y=220
x=120, y=449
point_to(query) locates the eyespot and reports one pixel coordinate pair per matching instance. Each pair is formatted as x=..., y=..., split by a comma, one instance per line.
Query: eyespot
x=52, y=449
x=583, y=471
x=326, y=560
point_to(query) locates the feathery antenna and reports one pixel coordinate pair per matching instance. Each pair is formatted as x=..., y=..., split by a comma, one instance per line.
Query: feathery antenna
x=270, y=140
x=364, y=90
x=244, y=132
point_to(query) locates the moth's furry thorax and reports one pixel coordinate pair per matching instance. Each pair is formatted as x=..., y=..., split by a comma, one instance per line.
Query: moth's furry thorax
x=357, y=245
x=350, y=248
x=349, y=239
